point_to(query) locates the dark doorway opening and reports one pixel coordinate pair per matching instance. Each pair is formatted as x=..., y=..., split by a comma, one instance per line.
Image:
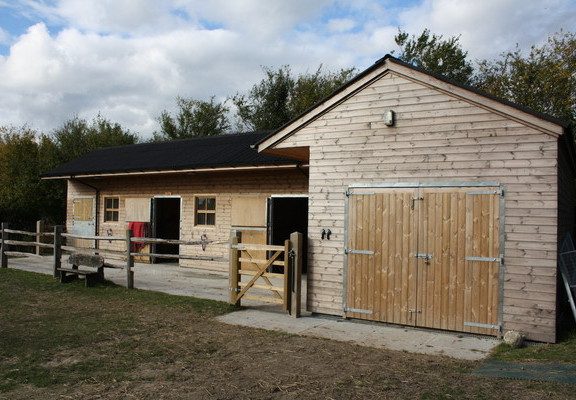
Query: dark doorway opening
x=287, y=215
x=165, y=225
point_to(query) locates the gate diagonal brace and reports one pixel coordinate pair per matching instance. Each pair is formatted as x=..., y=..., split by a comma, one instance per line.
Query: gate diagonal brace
x=268, y=281
x=259, y=274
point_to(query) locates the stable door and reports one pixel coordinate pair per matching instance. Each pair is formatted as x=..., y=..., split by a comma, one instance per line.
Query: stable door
x=426, y=257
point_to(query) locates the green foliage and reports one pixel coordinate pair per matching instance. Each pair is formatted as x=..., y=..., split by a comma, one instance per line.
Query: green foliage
x=544, y=80
x=309, y=89
x=77, y=137
x=19, y=168
x=194, y=118
x=435, y=54
x=26, y=154
x=279, y=96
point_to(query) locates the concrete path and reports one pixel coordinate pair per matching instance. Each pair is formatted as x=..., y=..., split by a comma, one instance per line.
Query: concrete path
x=465, y=347
x=172, y=279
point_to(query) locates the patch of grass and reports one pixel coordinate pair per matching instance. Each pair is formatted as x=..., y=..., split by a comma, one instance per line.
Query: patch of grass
x=562, y=352
x=56, y=333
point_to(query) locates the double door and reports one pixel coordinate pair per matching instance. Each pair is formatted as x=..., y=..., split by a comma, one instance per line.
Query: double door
x=427, y=257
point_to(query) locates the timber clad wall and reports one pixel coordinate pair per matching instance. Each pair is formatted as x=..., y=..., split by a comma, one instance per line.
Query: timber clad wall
x=224, y=186
x=438, y=137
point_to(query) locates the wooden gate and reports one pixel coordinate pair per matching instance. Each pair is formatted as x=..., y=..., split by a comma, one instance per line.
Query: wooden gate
x=425, y=257
x=267, y=273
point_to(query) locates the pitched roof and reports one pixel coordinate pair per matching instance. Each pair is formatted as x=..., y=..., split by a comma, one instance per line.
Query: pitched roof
x=223, y=151
x=381, y=65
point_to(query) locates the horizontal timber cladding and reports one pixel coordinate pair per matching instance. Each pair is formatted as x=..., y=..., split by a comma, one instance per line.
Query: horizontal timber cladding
x=437, y=137
x=224, y=186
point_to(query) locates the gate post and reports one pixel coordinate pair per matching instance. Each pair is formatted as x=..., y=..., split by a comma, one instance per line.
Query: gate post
x=233, y=279
x=296, y=279
x=129, y=260
x=287, y=274
x=39, y=231
x=3, y=257
x=57, y=250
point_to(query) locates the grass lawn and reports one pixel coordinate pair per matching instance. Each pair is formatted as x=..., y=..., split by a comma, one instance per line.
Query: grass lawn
x=68, y=341
x=562, y=352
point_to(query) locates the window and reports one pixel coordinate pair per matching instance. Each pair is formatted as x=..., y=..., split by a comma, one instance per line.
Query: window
x=205, y=211
x=111, y=206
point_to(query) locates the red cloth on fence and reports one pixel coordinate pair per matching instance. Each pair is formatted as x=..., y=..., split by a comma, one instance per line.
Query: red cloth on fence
x=139, y=229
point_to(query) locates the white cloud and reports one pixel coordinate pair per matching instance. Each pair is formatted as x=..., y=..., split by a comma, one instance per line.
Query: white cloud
x=490, y=27
x=341, y=24
x=129, y=59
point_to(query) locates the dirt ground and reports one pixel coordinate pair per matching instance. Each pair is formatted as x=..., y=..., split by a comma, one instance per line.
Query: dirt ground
x=69, y=342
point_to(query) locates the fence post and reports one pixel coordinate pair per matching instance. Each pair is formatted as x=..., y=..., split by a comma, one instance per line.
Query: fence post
x=234, y=267
x=39, y=231
x=4, y=246
x=129, y=261
x=57, y=250
x=296, y=287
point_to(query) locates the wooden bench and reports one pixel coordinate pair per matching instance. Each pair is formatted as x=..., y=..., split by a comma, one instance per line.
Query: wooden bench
x=93, y=275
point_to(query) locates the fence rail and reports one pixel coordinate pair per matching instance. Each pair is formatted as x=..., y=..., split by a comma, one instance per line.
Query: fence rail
x=60, y=244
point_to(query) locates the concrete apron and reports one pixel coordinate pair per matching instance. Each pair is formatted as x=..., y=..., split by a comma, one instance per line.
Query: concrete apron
x=460, y=346
x=172, y=279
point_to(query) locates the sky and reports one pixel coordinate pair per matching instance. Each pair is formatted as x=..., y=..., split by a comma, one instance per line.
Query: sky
x=129, y=59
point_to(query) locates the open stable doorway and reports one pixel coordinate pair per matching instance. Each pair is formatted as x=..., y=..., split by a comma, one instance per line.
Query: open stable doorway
x=287, y=215
x=165, y=225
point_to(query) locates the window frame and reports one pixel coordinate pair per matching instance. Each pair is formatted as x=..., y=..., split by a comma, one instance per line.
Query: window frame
x=204, y=211
x=114, y=210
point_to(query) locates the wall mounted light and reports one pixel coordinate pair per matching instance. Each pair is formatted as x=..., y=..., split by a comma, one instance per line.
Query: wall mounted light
x=389, y=118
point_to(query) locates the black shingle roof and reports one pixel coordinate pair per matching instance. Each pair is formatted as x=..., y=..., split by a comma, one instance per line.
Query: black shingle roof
x=206, y=152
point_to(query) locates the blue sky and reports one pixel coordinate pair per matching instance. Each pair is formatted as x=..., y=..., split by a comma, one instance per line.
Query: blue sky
x=129, y=59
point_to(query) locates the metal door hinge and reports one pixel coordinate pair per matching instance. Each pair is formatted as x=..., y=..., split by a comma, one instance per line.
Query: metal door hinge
x=365, y=252
x=480, y=325
x=499, y=260
x=357, y=310
x=499, y=192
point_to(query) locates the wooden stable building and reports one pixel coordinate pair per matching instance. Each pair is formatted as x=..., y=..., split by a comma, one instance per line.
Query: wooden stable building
x=446, y=206
x=189, y=190
x=429, y=204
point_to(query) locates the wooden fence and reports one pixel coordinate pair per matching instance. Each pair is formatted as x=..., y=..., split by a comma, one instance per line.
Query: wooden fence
x=256, y=261
x=57, y=241
x=275, y=271
x=37, y=242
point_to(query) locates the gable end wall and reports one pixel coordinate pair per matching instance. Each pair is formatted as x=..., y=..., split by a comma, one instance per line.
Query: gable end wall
x=437, y=138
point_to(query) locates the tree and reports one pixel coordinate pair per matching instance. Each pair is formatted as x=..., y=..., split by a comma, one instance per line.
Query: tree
x=309, y=89
x=544, y=80
x=266, y=105
x=194, y=118
x=279, y=96
x=77, y=137
x=435, y=54
x=20, y=190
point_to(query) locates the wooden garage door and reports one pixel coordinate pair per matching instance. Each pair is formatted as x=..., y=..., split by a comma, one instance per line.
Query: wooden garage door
x=426, y=257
